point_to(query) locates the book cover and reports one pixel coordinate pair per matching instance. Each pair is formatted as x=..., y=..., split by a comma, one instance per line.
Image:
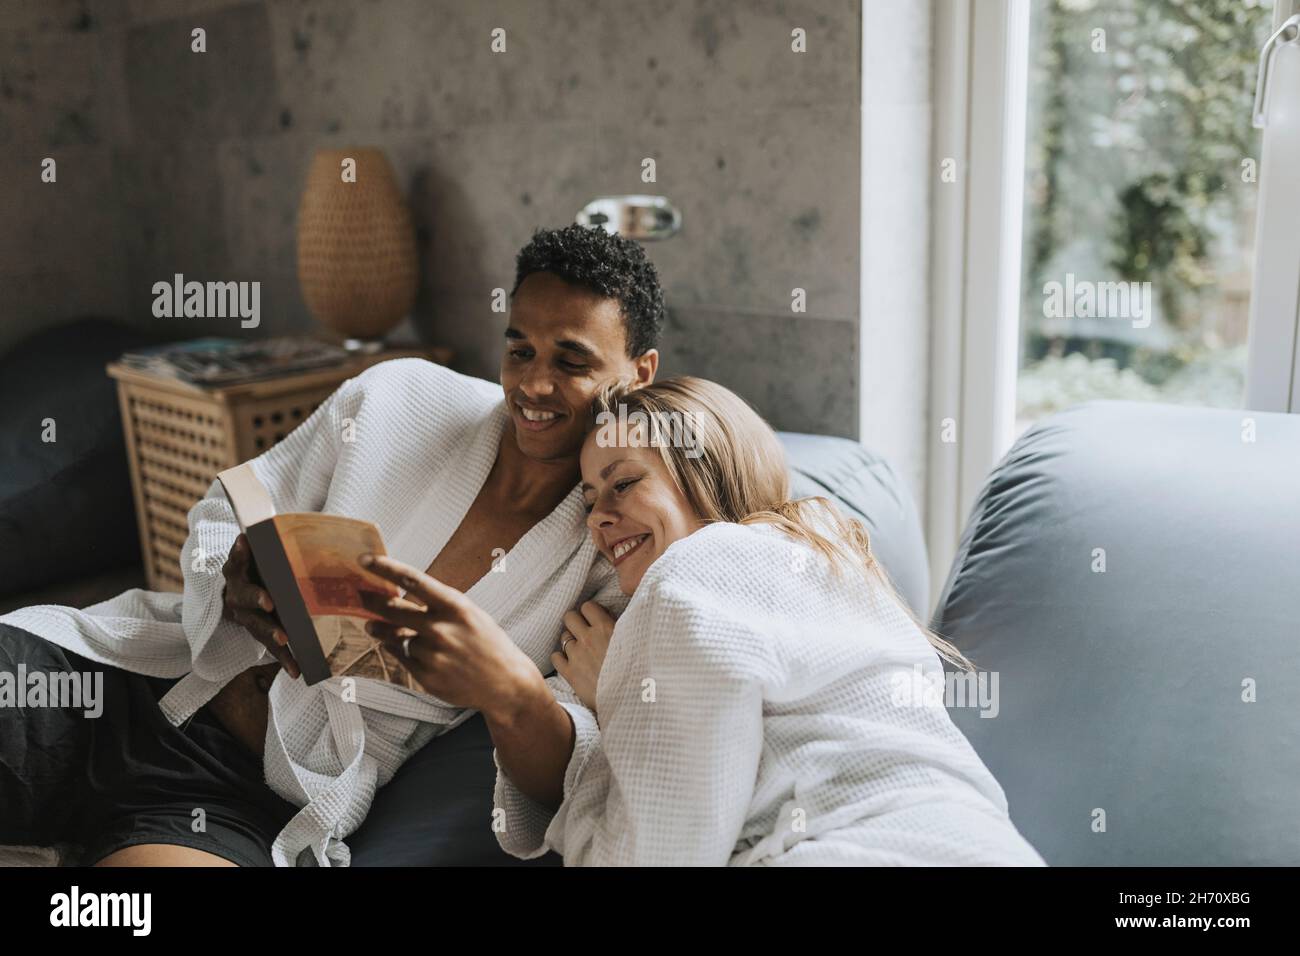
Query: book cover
x=308, y=564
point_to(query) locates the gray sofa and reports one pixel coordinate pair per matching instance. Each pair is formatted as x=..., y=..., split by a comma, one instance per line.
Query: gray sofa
x=1124, y=693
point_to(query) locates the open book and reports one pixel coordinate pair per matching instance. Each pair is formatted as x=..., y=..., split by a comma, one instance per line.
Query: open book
x=308, y=563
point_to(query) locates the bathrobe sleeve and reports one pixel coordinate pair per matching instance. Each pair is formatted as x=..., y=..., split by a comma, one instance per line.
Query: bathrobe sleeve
x=519, y=822
x=296, y=472
x=672, y=777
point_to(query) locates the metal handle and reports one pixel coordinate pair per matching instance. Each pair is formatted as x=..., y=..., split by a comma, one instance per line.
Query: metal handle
x=636, y=217
x=1288, y=32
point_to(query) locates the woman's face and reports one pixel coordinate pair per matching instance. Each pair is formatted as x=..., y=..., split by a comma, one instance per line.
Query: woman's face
x=634, y=509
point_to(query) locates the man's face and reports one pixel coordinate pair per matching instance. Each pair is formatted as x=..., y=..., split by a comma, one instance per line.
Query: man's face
x=563, y=344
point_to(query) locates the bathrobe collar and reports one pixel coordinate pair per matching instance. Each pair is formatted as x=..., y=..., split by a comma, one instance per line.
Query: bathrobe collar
x=546, y=546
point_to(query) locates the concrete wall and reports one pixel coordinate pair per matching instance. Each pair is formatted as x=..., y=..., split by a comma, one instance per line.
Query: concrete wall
x=171, y=161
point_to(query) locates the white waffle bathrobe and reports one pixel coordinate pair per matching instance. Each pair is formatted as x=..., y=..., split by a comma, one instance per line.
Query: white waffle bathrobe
x=754, y=709
x=407, y=445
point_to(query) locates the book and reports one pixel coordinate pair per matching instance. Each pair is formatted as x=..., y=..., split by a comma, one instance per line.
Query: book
x=308, y=563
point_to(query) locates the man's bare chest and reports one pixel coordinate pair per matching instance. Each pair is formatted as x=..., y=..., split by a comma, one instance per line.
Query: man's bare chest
x=484, y=537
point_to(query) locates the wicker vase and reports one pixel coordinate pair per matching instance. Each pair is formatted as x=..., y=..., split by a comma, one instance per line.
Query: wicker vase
x=356, y=245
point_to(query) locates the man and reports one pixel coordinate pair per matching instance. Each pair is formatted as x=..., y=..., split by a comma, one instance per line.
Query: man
x=453, y=476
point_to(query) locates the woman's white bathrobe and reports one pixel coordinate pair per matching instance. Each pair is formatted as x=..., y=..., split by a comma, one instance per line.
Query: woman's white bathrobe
x=755, y=709
x=407, y=445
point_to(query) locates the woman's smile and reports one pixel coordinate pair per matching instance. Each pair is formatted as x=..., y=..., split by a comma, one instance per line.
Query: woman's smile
x=626, y=546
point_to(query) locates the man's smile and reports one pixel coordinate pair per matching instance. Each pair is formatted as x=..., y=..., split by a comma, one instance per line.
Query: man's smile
x=536, y=419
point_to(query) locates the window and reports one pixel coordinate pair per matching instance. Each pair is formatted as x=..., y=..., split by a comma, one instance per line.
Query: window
x=1141, y=184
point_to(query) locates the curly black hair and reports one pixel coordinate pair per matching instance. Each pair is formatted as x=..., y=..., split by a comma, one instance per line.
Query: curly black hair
x=609, y=265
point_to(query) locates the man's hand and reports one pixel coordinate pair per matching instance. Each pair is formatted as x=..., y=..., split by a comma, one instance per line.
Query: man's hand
x=584, y=644
x=454, y=648
x=246, y=602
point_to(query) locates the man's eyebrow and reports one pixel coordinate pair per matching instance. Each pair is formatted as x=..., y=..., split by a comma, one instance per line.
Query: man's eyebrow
x=569, y=345
x=573, y=345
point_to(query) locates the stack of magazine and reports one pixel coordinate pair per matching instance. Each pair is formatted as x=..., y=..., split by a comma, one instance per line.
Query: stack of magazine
x=218, y=361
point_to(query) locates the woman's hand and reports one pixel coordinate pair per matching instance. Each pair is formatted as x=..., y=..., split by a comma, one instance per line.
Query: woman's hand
x=454, y=648
x=582, y=649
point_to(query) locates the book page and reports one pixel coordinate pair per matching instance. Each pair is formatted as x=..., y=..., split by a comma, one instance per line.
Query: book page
x=323, y=552
x=351, y=652
x=248, y=497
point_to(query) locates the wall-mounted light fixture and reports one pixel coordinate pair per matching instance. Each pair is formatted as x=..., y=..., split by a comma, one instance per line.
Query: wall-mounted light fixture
x=643, y=218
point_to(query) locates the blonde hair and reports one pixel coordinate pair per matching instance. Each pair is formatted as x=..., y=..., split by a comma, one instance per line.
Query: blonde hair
x=731, y=467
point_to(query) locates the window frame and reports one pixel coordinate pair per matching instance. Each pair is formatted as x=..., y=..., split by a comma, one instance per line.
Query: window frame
x=1273, y=335
x=981, y=70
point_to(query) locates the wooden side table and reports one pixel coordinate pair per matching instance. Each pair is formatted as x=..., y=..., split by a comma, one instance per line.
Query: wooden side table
x=178, y=436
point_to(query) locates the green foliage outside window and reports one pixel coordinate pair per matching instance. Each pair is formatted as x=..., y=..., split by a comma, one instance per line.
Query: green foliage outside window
x=1140, y=167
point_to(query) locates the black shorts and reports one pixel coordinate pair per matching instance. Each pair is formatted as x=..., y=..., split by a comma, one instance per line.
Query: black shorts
x=94, y=785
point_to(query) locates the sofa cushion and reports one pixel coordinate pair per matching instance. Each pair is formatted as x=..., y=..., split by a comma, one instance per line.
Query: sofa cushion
x=66, y=507
x=1123, y=686
x=866, y=487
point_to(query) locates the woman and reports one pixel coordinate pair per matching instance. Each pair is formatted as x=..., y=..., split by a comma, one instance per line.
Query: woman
x=748, y=698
